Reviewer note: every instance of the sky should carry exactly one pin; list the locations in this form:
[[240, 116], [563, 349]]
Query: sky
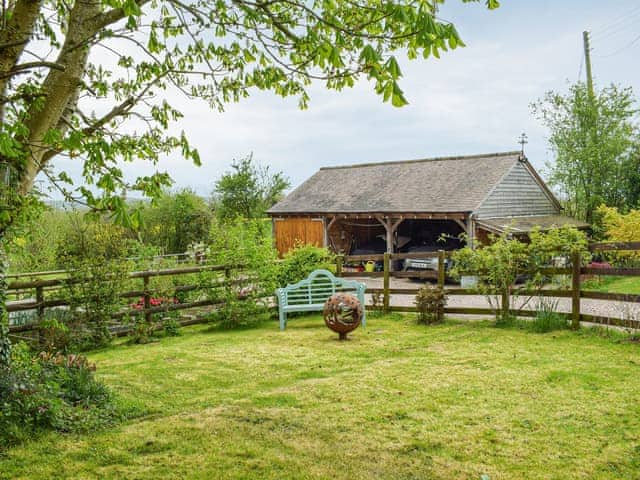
[[473, 100]]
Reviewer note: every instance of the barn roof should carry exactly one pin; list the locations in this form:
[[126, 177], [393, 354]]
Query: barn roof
[[433, 185]]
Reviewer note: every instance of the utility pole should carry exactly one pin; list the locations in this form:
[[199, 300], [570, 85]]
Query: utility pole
[[587, 62]]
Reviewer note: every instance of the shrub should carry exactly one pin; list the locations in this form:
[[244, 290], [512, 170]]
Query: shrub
[[246, 248], [89, 239], [430, 302], [497, 267], [175, 220], [93, 294], [620, 227], [51, 392], [171, 325], [504, 260], [33, 246], [141, 330], [299, 262], [54, 332]]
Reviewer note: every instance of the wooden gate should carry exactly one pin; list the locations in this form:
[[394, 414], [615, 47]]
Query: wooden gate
[[297, 230]]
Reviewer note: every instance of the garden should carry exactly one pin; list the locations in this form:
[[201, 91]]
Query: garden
[[138, 329], [180, 370], [399, 400]]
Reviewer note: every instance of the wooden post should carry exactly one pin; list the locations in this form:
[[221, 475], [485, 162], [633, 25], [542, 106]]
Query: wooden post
[[327, 227], [575, 290], [147, 299], [390, 228], [385, 301], [40, 301], [441, 268], [40, 312], [339, 262]]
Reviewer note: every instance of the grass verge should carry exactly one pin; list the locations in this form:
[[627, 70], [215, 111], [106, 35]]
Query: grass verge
[[614, 284]]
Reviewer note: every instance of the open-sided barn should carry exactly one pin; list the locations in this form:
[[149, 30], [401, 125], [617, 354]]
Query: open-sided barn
[[415, 202]]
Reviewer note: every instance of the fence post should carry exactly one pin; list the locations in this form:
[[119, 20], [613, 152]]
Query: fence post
[[339, 261], [40, 302], [147, 298], [387, 265], [575, 290], [40, 312], [441, 268]]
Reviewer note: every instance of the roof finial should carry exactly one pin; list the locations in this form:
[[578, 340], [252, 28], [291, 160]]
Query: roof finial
[[523, 140]]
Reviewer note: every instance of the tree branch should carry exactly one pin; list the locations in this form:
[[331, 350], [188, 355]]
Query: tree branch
[[24, 67], [14, 37], [110, 17]]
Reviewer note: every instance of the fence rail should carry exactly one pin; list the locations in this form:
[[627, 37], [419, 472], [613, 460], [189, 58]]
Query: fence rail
[[612, 246], [575, 271], [39, 287]]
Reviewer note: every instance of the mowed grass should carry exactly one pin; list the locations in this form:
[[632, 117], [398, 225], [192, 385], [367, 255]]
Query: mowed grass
[[613, 284], [398, 401]]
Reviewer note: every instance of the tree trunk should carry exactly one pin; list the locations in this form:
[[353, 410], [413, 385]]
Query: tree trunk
[[60, 89], [505, 306]]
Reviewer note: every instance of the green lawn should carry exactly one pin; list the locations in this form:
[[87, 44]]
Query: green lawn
[[614, 284], [398, 401]]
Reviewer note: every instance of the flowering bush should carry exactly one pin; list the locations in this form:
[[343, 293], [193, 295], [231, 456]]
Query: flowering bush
[[51, 391], [619, 227], [154, 302]]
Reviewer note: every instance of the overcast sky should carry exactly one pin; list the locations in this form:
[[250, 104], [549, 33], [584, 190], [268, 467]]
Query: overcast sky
[[473, 100]]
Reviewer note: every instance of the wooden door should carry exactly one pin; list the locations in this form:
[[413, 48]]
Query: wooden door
[[291, 231]]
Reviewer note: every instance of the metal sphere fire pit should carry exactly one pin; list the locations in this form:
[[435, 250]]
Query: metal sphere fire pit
[[342, 313]]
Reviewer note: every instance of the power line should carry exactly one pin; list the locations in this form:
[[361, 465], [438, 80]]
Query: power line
[[581, 65], [633, 42], [631, 25], [620, 19]]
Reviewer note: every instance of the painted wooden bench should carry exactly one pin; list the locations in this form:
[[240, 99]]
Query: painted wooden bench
[[309, 295]]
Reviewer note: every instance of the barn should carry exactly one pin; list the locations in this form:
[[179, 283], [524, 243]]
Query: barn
[[392, 206]]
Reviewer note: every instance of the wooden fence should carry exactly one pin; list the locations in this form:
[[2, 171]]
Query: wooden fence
[[42, 289], [39, 302], [576, 271]]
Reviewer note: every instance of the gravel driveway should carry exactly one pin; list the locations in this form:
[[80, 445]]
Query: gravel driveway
[[604, 308]]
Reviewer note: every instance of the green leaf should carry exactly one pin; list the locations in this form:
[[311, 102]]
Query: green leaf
[[393, 68], [397, 99]]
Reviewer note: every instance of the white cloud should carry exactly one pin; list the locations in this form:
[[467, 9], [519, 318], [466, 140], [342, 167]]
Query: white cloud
[[473, 100]]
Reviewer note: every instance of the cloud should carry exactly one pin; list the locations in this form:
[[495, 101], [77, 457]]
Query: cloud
[[473, 100]]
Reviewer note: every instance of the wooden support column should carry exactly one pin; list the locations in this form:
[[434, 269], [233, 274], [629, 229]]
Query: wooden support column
[[471, 231], [327, 227], [390, 226]]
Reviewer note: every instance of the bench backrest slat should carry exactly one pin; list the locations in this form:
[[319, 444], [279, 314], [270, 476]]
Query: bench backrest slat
[[311, 293]]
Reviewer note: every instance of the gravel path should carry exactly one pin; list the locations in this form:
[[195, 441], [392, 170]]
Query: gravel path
[[604, 308]]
